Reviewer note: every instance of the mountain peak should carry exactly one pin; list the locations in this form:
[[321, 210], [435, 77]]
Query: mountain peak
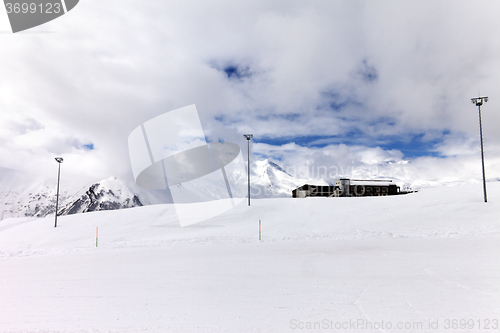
[[276, 166], [108, 194]]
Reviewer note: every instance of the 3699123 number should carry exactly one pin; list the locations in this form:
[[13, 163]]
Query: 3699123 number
[[25, 8], [485, 324]]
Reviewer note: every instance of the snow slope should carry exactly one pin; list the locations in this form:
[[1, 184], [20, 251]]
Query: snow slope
[[269, 180], [418, 259]]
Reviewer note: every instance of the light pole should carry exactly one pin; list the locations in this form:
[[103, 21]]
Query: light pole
[[58, 160], [479, 101], [248, 137]]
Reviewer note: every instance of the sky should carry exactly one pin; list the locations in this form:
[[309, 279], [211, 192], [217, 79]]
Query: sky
[[376, 89]]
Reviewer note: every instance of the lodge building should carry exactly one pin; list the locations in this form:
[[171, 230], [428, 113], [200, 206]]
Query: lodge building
[[349, 188]]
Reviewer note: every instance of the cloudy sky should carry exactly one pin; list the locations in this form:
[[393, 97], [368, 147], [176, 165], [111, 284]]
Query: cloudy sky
[[379, 87]]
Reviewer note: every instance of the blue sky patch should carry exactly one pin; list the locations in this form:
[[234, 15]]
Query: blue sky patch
[[286, 116], [412, 146], [236, 72], [337, 101], [89, 146], [368, 72], [391, 121]]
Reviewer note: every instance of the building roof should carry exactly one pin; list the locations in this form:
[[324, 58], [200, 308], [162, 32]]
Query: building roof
[[371, 183]]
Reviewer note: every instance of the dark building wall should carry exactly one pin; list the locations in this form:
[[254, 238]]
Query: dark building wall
[[368, 191], [354, 190]]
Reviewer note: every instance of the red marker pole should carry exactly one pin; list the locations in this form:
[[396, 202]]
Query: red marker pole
[[260, 232]]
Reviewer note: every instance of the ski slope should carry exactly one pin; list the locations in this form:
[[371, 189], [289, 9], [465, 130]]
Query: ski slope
[[414, 263]]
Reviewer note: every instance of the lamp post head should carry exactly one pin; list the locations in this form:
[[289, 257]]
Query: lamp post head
[[59, 159], [478, 101], [248, 136]]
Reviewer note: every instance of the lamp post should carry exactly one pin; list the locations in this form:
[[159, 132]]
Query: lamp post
[[58, 160], [479, 101], [248, 137]]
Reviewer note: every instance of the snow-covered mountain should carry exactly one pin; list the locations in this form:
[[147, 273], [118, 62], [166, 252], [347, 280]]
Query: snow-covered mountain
[[39, 200], [108, 194], [268, 180], [21, 196]]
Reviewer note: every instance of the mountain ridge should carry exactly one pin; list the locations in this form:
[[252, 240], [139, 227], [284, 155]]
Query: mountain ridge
[[268, 180]]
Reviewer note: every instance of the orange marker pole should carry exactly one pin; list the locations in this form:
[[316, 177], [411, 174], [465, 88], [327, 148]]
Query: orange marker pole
[[260, 232], [96, 235]]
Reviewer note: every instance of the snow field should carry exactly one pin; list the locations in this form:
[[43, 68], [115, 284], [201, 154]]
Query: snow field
[[426, 257]]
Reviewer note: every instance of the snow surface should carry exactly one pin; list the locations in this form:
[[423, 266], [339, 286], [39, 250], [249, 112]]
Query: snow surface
[[417, 258]]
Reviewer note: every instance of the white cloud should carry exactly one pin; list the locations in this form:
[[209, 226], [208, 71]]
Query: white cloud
[[336, 161], [110, 66]]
